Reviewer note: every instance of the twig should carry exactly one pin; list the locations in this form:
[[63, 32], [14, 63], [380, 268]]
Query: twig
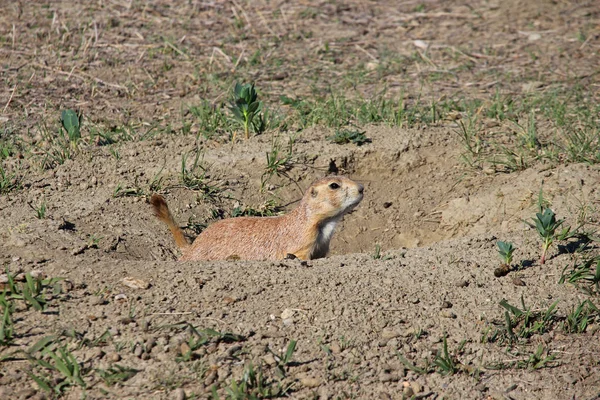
[[10, 98], [366, 52], [82, 76]]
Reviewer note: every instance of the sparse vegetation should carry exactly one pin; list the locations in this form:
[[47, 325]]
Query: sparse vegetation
[[246, 107], [344, 136]]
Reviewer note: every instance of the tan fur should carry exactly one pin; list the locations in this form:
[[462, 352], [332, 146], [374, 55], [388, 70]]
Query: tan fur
[[304, 232], [161, 211]]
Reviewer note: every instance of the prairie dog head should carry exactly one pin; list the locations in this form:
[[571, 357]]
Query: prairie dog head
[[333, 197]]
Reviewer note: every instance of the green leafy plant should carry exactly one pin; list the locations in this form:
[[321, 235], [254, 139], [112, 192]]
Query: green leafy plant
[[506, 250], [71, 123], [546, 224], [245, 106], [344, 136]]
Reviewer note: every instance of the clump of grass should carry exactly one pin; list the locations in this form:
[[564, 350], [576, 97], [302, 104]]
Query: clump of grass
[[268, 209], [585, 275], [40, 211], [8, 182], [580, 317], [116, 374], [344, 136], [211, 119], [62, 362], [524, 323], [541, 358], [245, 107], [444, 362], [279, 161]]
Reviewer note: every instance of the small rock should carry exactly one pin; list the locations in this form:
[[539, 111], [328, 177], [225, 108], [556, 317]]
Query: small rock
[[287, 313], [66, 286], [184, 348], [269, 359], [145, 356], [518, 281], [447, 314], [335, 348], [137, 351], [97, 301], [178, 394], [135, 283], [388, 378], [389, 333], [533, 37], [446, 304], [407, 392], [462, 283], [416, 387], [310, 382], [211, 378], [37, 274], [25, 393], [114, 357], [121, 298], [387, 204], [150, 343]]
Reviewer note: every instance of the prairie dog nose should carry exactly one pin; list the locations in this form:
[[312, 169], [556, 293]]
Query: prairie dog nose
[[361, 188]]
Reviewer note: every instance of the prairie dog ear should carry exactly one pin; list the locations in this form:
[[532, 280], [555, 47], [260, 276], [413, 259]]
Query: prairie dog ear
[[313, 192]]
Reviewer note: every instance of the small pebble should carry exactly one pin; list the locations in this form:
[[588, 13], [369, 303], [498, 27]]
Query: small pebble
[[178, 394]]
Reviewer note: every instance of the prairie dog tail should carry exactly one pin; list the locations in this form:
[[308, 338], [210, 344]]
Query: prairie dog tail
[[161, 211]]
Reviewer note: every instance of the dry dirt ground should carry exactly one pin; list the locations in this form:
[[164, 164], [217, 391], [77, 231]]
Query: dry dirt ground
[[470, 107]]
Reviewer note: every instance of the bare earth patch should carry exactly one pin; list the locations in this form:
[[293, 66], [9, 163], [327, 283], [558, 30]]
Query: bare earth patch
[[460, 114]]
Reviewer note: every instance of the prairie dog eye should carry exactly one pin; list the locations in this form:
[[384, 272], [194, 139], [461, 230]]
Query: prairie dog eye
[[334, 186]]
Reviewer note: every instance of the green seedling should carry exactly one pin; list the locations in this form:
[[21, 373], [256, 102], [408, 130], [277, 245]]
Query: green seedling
[[506, 250], [6, 324], [284, 359], [71, 123], [546, 225], [245, 106], [116, 374], [349, 136], [40, 211], [445, 362]]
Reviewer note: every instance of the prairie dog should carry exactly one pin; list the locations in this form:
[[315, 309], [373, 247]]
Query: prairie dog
[[305, 232]]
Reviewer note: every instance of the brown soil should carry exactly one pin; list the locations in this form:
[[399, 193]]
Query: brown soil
[[141, 65]]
